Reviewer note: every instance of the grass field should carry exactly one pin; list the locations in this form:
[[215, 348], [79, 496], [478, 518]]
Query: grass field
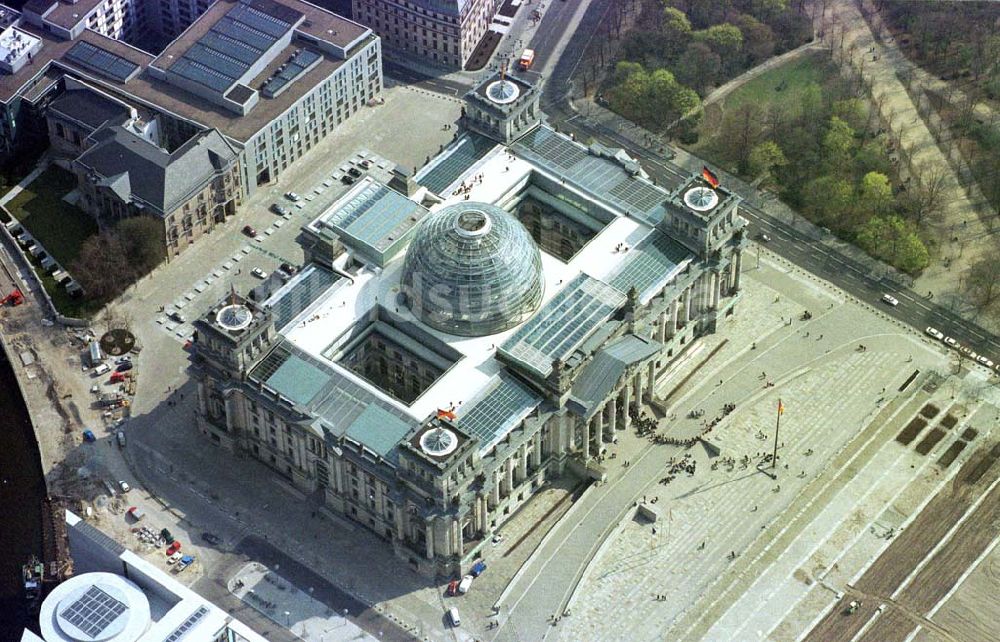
[[60, 227]]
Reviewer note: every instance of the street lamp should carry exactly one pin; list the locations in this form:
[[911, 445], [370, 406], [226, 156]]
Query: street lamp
[[288, 620]]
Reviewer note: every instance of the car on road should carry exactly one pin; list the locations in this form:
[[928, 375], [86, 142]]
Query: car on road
[[452, 588], [293, 197], [279, 209], [985, 361], [124, 367], [478, 568], [763, 237], [465, 584], [177, 316], [355, 172], [347, 179], [120, 436], [249, 231], [951, 343], [259, 273], [934, 332], [211, 538], [891, 300], [453, 616], [88, 435], [124, 485], [288, 269]]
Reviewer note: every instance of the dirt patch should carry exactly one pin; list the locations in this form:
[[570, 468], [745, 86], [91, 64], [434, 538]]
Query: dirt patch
[[985, 462], [931, 440], [483, 51], [950, 454], [930, 411], [949, 421], [969, 434], [908, 434]]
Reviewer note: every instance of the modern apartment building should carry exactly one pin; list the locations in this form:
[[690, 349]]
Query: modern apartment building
[[442, 32], [243, 91]]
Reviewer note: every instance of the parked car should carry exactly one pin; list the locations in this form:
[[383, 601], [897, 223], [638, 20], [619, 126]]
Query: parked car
[[120, 436], [347, 179], [891, 300], [124, 367], [185, 562], [249, 231], [452, 588], [137, 513], [293, 197], [985, 361], [176, 557], [88, 435], [288, 269], [355, 172], [764, 237], [174, 547], [453, 616], [937, 334], [279, 209], [478, 568], [259, 273], [465, 584], [177, 316], [101, 369], [124, 485], [951, 343], [211, 538]]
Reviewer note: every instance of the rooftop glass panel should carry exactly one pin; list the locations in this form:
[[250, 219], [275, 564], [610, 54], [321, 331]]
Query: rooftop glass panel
[[101, 61], [313, 281], [378, 429], [600, 177], [563, 324], [297, 379], [300, 61], [93, 612], [504, 404], [454, 162], [654, 260]]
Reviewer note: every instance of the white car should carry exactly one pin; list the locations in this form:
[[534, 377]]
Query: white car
[[124, 486], [937, 334], [465, 584], [891, 300], [259, 273], [951, 343], [984, 360], [176, 557], [293, 197]]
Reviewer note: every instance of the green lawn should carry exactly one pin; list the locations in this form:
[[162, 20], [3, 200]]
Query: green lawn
[[60, 227], [795, 76]]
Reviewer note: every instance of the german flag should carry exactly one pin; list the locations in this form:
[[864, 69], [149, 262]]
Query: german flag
[[781, 408], [446, 414], [707, 174]]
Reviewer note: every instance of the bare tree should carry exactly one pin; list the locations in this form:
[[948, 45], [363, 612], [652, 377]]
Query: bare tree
[[982, 284], [925, 199]]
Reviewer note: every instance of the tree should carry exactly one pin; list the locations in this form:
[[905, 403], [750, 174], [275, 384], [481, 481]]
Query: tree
[[894, 240], [101, 265], [831, 200], [741, 129], [142, 238], [764, 157], [982, 284], [698, 67], [852, 111], [875, 193], [925, 195], [838, 145], [725, 40], [676, 31], [758, 39]]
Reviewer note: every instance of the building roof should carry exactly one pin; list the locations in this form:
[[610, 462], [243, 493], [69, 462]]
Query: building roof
[[320, 25], [650, 265], [497, 409], [562, 324], [595, 383], [299, 293], [89, 107], [442, 172], [372, 219], [598, 172], [157, 179]]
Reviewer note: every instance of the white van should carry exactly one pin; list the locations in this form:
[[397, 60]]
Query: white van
[[101, 369], [453, 616], [465, 584]]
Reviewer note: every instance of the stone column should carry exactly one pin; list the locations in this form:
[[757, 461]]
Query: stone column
[[687, 303], [522, 463], [509, 475], [429, 534], [651, 378], [674, 308], [661, 331], [626, 403], [637, 392], [398, 518], [456, 538], [589, 428], [338, 476], [716, 289], [202, 399], [536, 453], [495, 490], [613, 417], [739, 270]]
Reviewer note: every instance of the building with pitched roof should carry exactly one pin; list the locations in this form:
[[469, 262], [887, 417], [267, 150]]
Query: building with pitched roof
[[527, 302]]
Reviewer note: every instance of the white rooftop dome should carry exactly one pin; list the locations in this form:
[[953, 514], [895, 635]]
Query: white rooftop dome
[[95, 607]]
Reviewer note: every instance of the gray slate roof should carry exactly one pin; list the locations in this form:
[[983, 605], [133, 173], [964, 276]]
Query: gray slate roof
[[89, 108], [158, 180], [599, 377]]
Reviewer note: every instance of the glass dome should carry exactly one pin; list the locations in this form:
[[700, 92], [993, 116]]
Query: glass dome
[[472, 270]]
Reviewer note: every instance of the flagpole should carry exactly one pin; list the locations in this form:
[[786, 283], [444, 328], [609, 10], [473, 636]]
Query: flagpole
[[777, 424]]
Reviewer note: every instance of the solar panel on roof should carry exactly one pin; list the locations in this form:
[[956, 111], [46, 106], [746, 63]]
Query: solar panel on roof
[[302, 60], [213, 59], [259, 20], [101, 61], [234, 29], [93, 611], [201, 74], [239, 50]]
